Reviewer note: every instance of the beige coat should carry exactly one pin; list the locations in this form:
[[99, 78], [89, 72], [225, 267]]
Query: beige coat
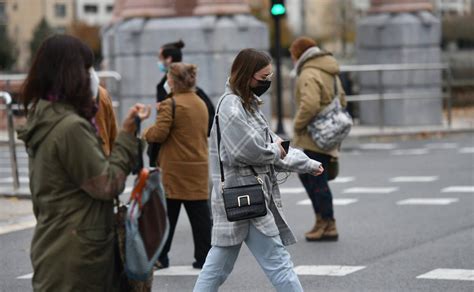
[[314, 91], [183, 155]]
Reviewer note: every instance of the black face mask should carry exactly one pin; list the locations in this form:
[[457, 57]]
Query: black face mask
[[261, 88]]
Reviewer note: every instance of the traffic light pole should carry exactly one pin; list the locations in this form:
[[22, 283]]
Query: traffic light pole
[[280, 130]]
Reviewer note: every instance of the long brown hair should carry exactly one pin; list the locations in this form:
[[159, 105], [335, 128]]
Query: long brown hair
[[246, 64], [60, 73]]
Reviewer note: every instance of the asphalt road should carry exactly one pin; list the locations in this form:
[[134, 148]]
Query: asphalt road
[[404, 210]]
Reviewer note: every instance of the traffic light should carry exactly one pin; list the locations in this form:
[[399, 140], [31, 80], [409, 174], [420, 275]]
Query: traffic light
[[278, 8]]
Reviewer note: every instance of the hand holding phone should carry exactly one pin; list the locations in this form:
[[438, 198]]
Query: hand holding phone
[[286, 145]]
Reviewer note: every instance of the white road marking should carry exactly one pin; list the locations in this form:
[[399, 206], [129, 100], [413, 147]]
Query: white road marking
[[449, 274], [466, 150], [378, 146], [419, 151], [441, 145], [458, 189], [337, 202], [22, 179], [26, 277], [343, 179], [428, 201], [414, 179], [23, 223], [177, 271], [360, 190], [292, 190], [327, 270]]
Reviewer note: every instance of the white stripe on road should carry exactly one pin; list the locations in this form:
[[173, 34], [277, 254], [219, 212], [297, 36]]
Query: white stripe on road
[[413, 178], [24, 223], [441, 145], [458, 189], [378, 146], [449, 274], [419, 151], [292, 190], [428, 201], [22, 179], [343, 179], [466, 150], [327, 270], [336, 202], [359, 190], [26, 277], [177, 271]]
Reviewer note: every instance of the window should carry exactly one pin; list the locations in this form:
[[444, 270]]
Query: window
[[109, 8], [91, 9], [60, 10]]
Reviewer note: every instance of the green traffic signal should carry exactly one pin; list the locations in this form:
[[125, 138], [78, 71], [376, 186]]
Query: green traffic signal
[[278, 9]]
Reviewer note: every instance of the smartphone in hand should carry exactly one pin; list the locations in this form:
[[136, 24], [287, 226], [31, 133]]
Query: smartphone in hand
[[286, 145]]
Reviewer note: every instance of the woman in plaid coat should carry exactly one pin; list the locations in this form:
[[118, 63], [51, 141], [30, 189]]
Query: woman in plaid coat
[[247, 140]]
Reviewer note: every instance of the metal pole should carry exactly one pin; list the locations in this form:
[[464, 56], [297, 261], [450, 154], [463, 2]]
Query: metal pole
[[381, 102], [449, 77], [279, 130], [11, 139]]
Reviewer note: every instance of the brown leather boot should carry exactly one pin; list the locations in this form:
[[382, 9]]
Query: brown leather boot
[[330, 233], [316, 226], [317, 234]]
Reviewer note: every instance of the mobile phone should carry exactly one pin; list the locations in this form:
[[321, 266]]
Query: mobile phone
[[286, 145]]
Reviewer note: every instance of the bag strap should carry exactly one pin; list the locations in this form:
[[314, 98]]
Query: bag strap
[[219, 148], [139, 164]]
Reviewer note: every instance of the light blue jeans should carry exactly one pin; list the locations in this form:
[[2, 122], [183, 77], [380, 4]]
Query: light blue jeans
[[270, 253]]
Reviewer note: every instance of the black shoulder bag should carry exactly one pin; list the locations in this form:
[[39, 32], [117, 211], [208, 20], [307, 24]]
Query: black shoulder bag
[[241, 202]]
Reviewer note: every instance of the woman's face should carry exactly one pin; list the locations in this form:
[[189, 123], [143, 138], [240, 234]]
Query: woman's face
[[264, 74]]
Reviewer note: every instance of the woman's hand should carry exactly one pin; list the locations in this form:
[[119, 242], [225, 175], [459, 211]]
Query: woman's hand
[[138, 110], [318, 171]]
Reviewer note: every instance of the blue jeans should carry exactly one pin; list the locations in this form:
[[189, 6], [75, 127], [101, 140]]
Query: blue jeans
[[317, 187], [270, 253]]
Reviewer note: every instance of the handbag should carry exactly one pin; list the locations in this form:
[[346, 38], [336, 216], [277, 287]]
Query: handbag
[[333, 168], [241, 202], [331, 125]]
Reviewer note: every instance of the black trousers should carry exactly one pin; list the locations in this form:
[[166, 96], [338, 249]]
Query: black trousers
[[201, 225], [317, 187]]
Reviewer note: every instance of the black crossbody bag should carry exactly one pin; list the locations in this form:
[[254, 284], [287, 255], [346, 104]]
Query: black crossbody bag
[[241, 202]]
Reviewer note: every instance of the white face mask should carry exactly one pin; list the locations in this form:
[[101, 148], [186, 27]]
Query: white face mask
[[94, 83], [167, 88]]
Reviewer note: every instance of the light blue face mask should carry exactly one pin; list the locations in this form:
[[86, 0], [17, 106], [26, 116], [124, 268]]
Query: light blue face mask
[[162, 67]]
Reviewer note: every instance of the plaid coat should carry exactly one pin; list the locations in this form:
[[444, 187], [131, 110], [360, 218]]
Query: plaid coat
[[246, 139]]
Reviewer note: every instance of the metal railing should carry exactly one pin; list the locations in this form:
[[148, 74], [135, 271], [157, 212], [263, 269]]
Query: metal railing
[[381, 96], [11, 139], [9, 107]]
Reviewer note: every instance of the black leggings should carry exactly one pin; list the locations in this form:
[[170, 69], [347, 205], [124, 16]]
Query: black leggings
[[317, 187]]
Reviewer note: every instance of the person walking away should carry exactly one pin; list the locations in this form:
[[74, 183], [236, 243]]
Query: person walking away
[[181, 128], [72, 182], [248, 142], [316, 71]]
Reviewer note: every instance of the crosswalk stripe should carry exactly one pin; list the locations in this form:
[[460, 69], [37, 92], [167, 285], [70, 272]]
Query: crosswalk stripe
[[327, 270], [23, 223], [342, 180], [26, 277], [458, 189], [292, 190], [428, 201], [22, 179], [466, 150], [177, 271], [419, 151], [449, 274], [441, 145], [378, 146], [336, 202], [368, 190], [414, 179]]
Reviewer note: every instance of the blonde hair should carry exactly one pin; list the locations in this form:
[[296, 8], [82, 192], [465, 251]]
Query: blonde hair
[[184, 77]]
